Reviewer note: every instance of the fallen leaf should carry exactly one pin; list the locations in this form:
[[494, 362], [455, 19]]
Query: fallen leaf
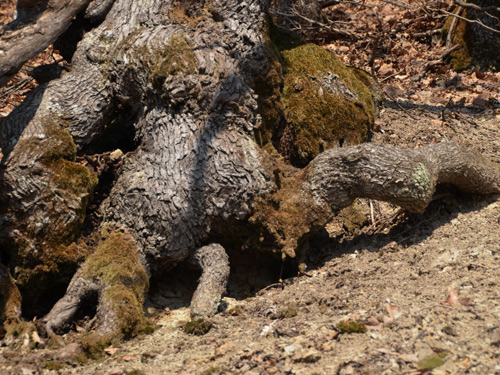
[[452, 297], [409, 357]]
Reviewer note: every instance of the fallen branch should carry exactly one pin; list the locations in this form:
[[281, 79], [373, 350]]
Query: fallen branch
[[19, 45]]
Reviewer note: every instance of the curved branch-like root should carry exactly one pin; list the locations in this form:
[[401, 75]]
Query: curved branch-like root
[[214, 263], [66, 307], [308, 199], [407, 178], [115, 273]]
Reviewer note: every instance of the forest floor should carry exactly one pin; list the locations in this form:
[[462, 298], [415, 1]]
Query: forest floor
[[402, 294]]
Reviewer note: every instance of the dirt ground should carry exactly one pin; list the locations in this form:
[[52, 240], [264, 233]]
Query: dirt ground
[[413, 293]]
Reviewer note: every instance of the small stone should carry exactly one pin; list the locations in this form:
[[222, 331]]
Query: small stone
[[290, 349], [116, 155], [309, 356]]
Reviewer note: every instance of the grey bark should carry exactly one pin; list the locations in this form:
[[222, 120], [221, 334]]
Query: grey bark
[[214, 262], [185, 72], [407, 178]]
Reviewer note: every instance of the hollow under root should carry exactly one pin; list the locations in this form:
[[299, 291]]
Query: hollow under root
[[116, 275]]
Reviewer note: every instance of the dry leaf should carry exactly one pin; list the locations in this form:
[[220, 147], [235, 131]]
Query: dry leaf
[[453, 299], [392, 311], [111, 350]]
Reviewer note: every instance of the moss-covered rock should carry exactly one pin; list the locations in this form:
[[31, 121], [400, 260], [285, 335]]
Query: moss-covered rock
[[324, 101], [310, 101]]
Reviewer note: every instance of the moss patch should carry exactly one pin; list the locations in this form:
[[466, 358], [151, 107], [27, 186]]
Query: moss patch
[[289, 311], [116, 265], [324, 101], [351, 326], [176, 57], [197, 327]]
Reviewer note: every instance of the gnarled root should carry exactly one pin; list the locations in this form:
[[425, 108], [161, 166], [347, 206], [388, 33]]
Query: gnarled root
[[115, 273], [308, 199], [407, 178], [214, 263]]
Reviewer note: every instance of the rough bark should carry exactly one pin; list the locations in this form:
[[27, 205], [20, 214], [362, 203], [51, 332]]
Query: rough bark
[[214, 262], [479, 44], [184, 76]]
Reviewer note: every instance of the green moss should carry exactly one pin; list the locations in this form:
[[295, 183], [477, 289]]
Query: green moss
[[421, 180], [355, 216], [351, 326], [430, 362], [235, 311], [478, 46], [326, 103], [211, 370], [93, 345], [53, 365], [462, 58], [115, 263], [289, 311], [197, 327], [134, 372], [18, 327], [176, 57]]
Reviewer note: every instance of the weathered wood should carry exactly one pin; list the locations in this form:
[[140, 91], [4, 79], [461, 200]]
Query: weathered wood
[[39, 24]]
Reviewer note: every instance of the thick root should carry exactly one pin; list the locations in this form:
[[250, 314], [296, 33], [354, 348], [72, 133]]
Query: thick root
[[214, 263], [404, 177], [116, 275]]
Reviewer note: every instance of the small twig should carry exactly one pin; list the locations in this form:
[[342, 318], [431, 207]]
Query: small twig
[[449, 37], [371, 212], [477, 7], [400, 106], [400, 5], [376, 41], [314, 22], [16, 87], [467, 20], [392, 75], [275, 285]]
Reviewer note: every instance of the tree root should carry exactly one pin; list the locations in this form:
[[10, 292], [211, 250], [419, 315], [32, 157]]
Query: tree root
[[115, 273], [308, 199], [214, 263]]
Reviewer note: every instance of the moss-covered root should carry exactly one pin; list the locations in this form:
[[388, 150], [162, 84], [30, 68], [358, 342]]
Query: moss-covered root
[[10, 298], [116, 275], [214, 263]]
